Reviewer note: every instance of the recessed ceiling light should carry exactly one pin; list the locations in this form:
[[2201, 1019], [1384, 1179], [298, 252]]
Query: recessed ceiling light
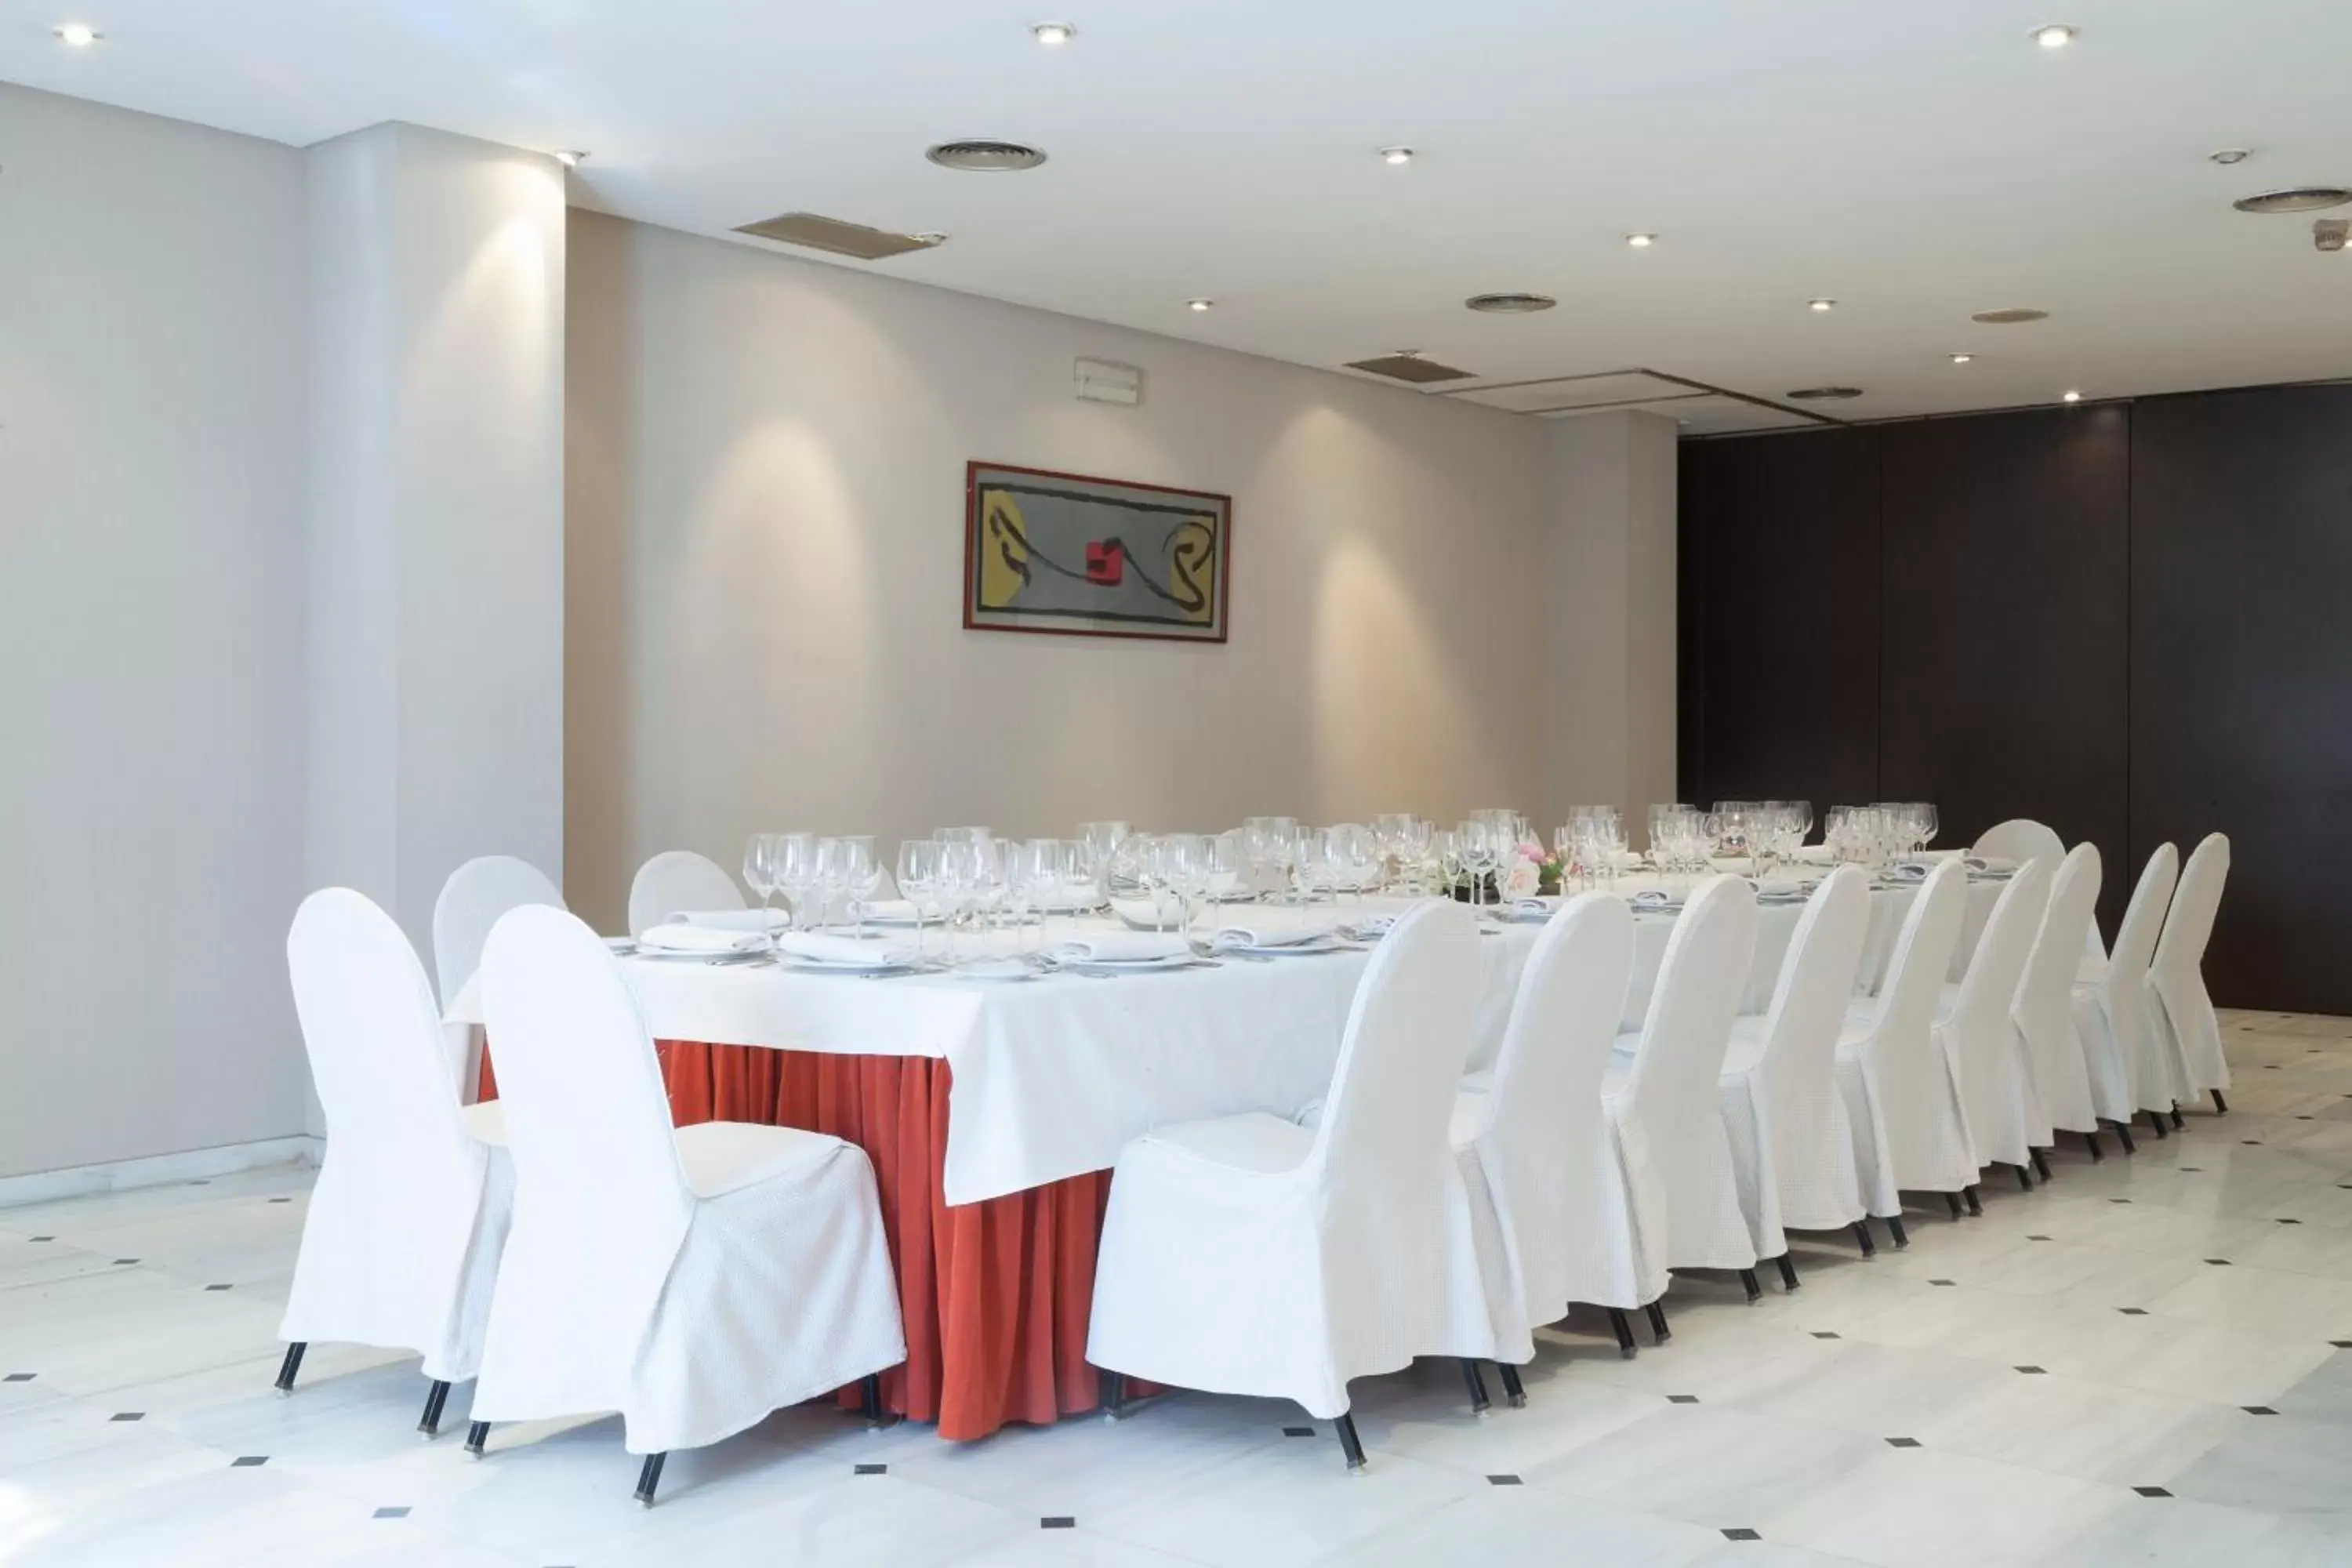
[[1825, 393], [2053, 36], [1053, 34], [2300, 199], [1397, 155], [1510, 304], [2229, 155], [981, 156], [1640, 241], [571, 157], [77, 35], [2072, 397], [1821, 305], [1962, 359], [2010, 317], [1198, 304]]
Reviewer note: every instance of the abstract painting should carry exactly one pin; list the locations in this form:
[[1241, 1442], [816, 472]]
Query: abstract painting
[[1066, 553]]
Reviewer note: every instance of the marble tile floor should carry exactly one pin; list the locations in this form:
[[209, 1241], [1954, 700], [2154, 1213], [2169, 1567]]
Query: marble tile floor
[[2146, 1361]]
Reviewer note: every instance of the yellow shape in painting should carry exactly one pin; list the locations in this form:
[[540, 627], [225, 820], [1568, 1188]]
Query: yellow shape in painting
[[1004, 551], [1192, 569]]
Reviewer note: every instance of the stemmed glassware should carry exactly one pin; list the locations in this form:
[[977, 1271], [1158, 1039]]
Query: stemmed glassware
[[918, 872], [800, 870], [1352, 853], [1474, 843], [861, 876], [760, 869]]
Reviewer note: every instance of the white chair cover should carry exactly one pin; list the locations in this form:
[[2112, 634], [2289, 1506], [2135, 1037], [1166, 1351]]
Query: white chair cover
[[409, 1211], [2115, 1014], [693, 1280], [2021, 839], [2184, 1011], [2005, 1116], [678, 881], [1791, 1140], [1249, 1255], [2045, 996], [1902, 1087], [1542, 1218], [471, 901], [1661, 1091]]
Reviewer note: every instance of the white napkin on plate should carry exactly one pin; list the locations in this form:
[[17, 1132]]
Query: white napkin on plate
[[893, 912], [1651, 899], [879, 953], [698, 938], [734, 919], [1267, 933], [1122, 947], [1536, 909]]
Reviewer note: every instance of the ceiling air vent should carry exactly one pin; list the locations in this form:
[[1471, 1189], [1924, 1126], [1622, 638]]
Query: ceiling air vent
[[2302, 199], [985, 157], [1510, 304], [831, 234], [1409, 367], [1825, 393]]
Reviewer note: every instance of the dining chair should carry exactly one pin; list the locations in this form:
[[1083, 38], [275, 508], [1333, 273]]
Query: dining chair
[[2020, 840], [1791, 1141], [1901, 1087], [1543, 1218], [1660, 1094], [678, 881], [409, 1214], [471, 901], [2044, 1006], [1977, 1021], [2115, 1014], [2183, 1017], [692, 1279], [1251, 1255]]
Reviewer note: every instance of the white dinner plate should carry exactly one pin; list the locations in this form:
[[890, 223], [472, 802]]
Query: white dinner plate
[[1292, 950], [668, 955], [1135, 965]]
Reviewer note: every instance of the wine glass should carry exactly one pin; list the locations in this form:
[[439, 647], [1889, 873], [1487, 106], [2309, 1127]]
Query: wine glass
[[918, 869], [861, 876], [800, 869], [759, 872], [832, 878], [1476, 844]]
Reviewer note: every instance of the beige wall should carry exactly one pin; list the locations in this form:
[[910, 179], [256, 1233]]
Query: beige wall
[[764, 500]]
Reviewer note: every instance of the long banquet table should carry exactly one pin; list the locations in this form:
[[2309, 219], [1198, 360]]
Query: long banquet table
[[993, 1112]]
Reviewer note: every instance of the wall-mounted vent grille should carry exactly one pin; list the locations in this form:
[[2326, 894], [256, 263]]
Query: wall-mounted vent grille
[[985, 157], [831, 234], [1409, 367]]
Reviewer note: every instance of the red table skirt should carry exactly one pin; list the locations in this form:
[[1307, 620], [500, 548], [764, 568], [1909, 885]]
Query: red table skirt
[[994, 1295]]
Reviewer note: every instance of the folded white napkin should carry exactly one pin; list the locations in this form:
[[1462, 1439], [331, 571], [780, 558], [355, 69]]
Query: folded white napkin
[[678, 938], [734, 919], [893, 912], [1372, 927], [1651, 897], [880, 953], [1538, 909], [1267, 933], [1909, 872], [1122, 947]]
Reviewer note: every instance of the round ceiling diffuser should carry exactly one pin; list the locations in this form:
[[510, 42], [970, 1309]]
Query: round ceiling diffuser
[[985, 157], [1510, 304], [1825, 393], [2301, 199], [2010, 318]]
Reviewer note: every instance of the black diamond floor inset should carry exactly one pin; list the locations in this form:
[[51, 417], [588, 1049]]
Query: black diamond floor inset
[[1943, 1281], [2257, 1410], [1824, 1334], [18, 1377], [2151, 1491], [1742, 1535], [869, 1469], [247, 1461], [128, 1415], [392, 1514], [2132, 1312], [1058, 1522], [2032, 1371], [217, 1287], [1502, 1480], [1682, 1399], [1903, 1442], [2219, 1262], [1298, 1431]]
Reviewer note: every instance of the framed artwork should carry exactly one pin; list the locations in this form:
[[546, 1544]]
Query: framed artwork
[[1083, 556]]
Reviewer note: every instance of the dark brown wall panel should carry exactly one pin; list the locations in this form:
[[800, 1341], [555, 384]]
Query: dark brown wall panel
[[2241, 674], [2004, 663], [1780, 615]]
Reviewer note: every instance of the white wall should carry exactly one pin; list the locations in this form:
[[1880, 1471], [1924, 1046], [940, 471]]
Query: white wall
[[151, 626], [765, 512]]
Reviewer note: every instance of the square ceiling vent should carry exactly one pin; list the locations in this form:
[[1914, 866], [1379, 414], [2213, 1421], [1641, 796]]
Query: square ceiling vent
[[813, 232], [1413, 368]]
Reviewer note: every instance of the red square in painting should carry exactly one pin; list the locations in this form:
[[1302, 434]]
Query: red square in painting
[[1105, 562]]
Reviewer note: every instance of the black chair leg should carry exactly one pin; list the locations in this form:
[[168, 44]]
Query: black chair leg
[[1625, 1332], [1348, 1443], [1953, 1199], [476, 1436], [649, 1477], [2124, 1137], [1976, 1203], [2024, 1179], [1515, 1394], [869, 1400], [1862, 1234], [1748, 1282], [2092, 1138], [1895, 1228], [2040, 1165], [1788, 1271], [2177, 1122], [1114, 1394], [434, 1398], [291, 1365], [2155, 1120], [2221, 1106], [1659, 1333], [1479, 1403]]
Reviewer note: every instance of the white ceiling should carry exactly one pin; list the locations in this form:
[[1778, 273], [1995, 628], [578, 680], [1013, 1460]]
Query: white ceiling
[[1917, 160]]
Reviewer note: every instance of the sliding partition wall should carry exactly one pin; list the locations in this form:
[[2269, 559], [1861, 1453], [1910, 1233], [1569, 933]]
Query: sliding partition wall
[[2129, 621]]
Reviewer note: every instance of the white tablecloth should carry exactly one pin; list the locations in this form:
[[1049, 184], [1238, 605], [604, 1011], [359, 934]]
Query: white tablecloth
[[1052, 1077]]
